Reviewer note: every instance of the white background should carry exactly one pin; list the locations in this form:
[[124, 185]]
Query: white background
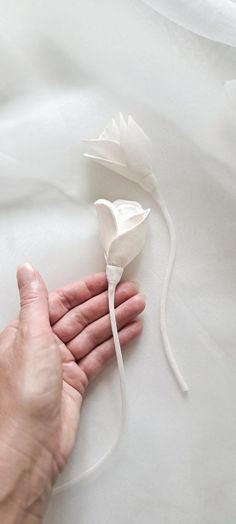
[[66, 68]]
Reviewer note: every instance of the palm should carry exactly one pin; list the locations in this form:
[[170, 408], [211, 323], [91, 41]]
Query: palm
[[80, 320]]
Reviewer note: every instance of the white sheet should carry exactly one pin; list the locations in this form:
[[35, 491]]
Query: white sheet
[[66, 68]]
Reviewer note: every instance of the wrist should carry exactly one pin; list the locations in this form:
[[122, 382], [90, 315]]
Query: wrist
[[26, 478]]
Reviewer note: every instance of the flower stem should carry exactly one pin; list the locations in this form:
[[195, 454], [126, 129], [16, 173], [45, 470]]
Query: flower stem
[[167, 346], [114, 275]]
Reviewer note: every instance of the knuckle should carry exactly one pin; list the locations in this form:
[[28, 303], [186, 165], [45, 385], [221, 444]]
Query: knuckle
[[81, 317], [91, 337], [28, 298]]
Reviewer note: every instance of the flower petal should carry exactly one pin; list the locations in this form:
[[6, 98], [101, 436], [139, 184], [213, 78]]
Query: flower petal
[[108, 149], [124, 248], [107, 222], [117, 203], [123, 125], [117, 167], [129, 213], [110, 164], [132, 221], [137, 148], [111, 131]]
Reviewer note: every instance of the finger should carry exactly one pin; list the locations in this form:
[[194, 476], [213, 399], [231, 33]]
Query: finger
[[94, 362], [34, 313], [81, 316], [66, 298], [74, 376], [100, 330]]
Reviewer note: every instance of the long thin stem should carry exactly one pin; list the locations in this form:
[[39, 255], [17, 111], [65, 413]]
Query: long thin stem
[[167, 346], [112, 283], [114, 275]]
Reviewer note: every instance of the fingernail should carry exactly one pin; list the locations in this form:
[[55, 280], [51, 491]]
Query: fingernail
[[25, 273]]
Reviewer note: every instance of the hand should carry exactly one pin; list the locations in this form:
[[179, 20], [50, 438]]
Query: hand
[[47, 359]]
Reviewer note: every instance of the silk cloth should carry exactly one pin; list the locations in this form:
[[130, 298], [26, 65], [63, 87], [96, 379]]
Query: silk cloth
[[66, 68]]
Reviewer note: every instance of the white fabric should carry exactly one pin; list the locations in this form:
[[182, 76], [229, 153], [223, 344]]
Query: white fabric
[[66, 68], [214, 19]]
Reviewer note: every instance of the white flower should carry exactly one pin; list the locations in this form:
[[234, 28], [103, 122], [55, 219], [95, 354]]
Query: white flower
[[126, 149], [123, 229]]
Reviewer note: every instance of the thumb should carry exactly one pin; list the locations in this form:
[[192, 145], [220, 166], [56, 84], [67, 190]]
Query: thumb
[[34, 311]]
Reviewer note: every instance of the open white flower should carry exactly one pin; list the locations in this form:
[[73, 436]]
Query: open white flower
[[123, 229], [126, 149]]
